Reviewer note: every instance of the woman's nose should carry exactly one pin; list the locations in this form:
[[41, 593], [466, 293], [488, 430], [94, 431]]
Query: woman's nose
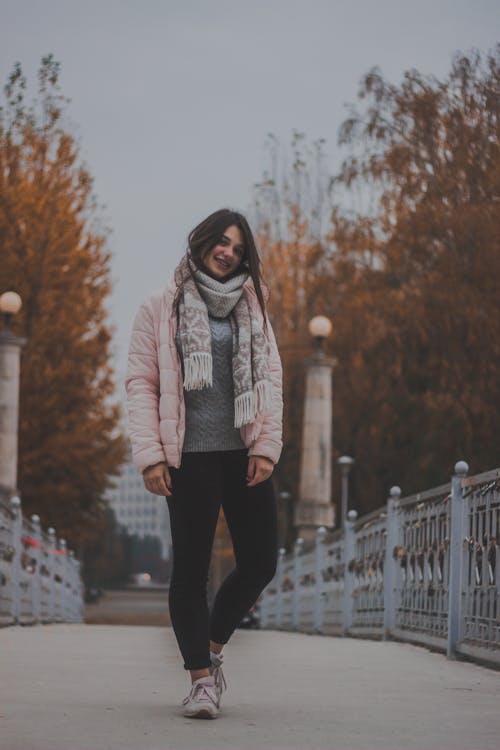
[[229, 253]]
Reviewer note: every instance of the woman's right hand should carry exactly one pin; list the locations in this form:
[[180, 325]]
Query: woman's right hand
[[157, 479]]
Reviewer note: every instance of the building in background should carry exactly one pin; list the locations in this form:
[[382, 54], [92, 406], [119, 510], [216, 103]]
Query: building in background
[[139, 511]]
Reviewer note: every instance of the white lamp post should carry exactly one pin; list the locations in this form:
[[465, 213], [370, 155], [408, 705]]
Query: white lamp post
[[10, 304], [284, 509], [345, 463], [320, 328], [314, 507]]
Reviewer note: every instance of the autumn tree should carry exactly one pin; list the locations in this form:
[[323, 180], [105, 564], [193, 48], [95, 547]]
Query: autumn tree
[[53, 253], [409, 279], [414, 287]]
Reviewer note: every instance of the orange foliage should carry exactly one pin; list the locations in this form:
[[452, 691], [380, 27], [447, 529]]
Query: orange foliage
[[54, 256], [411, 285], [416, 283]]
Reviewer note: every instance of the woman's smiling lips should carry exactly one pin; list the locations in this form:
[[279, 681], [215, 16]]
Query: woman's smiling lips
[[222, 263]]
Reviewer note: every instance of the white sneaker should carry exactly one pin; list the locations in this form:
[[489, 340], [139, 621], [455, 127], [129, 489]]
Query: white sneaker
[[216, 672], [202, 702]]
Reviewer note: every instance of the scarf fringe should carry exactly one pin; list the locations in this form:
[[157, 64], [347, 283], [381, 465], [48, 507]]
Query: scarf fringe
[[244, 408], [197, 371], [246, 405]]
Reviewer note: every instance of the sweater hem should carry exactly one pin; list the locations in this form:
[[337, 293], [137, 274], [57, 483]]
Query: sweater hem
[[201, 446]]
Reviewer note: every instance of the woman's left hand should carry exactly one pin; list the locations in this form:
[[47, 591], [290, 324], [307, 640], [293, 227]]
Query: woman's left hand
[[259, 469]]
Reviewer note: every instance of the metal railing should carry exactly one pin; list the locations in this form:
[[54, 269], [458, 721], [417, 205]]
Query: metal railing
[[40, 579], [423, 569]]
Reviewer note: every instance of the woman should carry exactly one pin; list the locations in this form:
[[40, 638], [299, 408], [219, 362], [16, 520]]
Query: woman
[[205, 405]]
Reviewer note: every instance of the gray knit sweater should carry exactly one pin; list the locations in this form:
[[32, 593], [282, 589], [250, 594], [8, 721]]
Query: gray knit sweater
[[210, 411]]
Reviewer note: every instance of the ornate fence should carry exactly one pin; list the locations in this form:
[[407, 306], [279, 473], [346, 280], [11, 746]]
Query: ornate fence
[[40, 579], [424, 569]]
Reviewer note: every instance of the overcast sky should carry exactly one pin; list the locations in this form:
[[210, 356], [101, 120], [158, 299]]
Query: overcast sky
[[172, 100]]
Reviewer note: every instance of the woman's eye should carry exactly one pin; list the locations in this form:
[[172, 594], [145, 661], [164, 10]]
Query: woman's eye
[[238, 250]]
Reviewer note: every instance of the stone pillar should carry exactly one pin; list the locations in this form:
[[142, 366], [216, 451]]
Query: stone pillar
[[10, 356], [314, 507]]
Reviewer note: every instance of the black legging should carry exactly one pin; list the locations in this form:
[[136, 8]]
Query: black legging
[[199, 486]]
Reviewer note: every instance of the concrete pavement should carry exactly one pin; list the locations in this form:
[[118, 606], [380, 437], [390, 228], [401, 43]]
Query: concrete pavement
[[107, 687], [130, 606]]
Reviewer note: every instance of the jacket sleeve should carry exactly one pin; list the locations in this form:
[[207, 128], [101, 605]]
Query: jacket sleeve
[[142, 385], [270, 440]]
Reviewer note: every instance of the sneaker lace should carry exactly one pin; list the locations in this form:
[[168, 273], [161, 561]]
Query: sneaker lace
[[219, 679], [199, 692]]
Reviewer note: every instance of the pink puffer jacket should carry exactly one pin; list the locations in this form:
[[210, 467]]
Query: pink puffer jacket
[[155, 393]]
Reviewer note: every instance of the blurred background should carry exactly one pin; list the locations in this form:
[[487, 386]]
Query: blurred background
[[360, 139]]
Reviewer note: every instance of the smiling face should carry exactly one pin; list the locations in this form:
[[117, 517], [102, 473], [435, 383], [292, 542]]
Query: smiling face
[[223, 259]]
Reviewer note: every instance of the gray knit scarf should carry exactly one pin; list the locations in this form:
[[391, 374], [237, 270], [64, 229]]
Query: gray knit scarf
[[250, 361]]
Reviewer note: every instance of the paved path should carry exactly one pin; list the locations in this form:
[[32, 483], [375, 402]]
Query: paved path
[[100, 687], [139, 606]]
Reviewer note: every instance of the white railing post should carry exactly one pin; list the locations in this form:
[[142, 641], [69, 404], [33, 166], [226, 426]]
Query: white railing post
[[455, 559], [51, 564], [71, 610], [15, 571], [390, 564], [76, 613], [36, 553], [297, 573], [318, 579], [63, 567], [349, 552], [279, 587], [264, 607], [81, 594]]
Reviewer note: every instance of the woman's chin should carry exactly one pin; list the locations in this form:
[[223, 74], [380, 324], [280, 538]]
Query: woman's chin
[[216, 273]]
